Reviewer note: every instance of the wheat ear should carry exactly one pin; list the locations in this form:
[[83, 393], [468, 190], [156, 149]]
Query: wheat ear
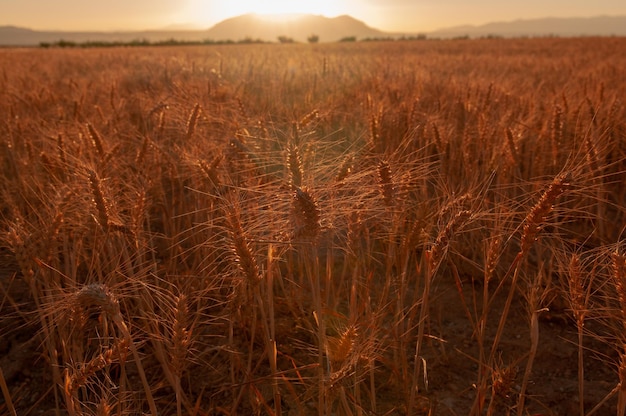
[[439, 247], [531, 227], [181, 336], [294, 165], [241, 248], [100, 296], [192, 121], [306, 214], [98, 200], [96, 140], [539, 212], [510, 141], [309, 118], [80, 377], [385, 181], [210, 171]]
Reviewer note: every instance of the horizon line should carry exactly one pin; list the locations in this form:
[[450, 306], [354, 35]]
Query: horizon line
[[195, 27]]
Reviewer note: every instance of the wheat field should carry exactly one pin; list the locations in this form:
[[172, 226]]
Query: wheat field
[[371, 228]]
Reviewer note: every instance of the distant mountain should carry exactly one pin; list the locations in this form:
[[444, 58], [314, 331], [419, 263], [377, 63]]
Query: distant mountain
[[16, 36], [181, 27], [565, 27], [297, 27]]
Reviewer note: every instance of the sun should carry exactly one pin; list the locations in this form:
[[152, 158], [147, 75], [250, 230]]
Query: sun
[[214, 11]]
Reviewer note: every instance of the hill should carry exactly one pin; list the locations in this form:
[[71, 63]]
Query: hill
[[297, 27], [17, 36], [550, 26]]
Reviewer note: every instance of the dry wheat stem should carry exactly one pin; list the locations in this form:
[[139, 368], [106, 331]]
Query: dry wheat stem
[[578, 305], [96, 140], [534, 342], [531, 226], [294, 164], [539, 212], [440, 246], [433, 257], [512, 149], [99, 201], [306, 215], [192, 121], [181, 339], [313, 115], [80, 377], [619, 280], [241, 248], [100, 296], [6, 393], [210, 170], [621, 392], [385, 182]]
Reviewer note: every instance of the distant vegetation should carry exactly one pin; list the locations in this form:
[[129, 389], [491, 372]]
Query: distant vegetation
[[313, 39], [280, 39], [144, 42], [285, 39], [311, 29]]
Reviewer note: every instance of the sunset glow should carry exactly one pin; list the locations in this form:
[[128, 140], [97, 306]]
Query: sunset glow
[[388, 15], [203, 11]]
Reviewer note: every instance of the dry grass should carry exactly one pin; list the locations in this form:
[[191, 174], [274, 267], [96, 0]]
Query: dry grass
[[350, 229]]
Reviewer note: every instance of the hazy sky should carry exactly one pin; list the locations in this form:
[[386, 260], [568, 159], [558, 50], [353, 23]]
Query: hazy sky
[[390, 15]]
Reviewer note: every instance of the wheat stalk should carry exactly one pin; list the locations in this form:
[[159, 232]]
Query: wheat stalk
[[192, 121], [104, 408], [306, 215], [533, 222], [374, 130], [96, 140], [181, 340], [621, 387], [345, 168], [437, 138], [531, 226], [6, 393], [99, 296], [434, 255], [619, 281], [577, 303], [385, 182], [24, 253], [556, 133], [98, 200], [210, 171], [510, 141], [181, 336], [241, 248], [81, 376], [313, 115], [294, 165], [439, 247], [340, 347]]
